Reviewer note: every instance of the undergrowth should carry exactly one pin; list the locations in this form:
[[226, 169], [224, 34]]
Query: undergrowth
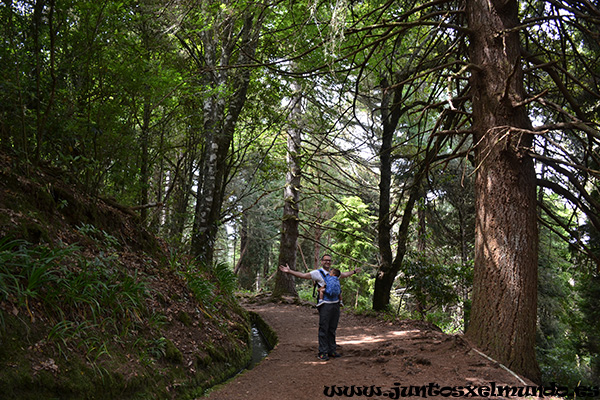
[[76, 295], [71, 300], [209, 292]]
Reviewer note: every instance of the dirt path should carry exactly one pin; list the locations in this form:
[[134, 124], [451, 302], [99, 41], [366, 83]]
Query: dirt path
[[375, 353]]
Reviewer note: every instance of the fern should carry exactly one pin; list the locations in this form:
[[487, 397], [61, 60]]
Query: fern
[[226, 278]]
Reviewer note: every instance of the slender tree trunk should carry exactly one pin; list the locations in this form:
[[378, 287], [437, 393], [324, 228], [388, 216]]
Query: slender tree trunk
[[37, 26], [43, 114], [145, 159], [387, 273], [390, 266], [385, 276], [178, 216], [157, 220], [284, 283], [318, 232], [246, 274], [503, 317]]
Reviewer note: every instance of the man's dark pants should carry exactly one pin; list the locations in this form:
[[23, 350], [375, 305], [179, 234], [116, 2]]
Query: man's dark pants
[[329, 316]]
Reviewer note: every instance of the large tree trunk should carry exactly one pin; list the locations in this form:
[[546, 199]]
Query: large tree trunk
[[221, 113], [208, 202], [210, 182], [284, 283], [503, 317]]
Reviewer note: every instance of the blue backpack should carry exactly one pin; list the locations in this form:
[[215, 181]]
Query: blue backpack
[[332, 288]]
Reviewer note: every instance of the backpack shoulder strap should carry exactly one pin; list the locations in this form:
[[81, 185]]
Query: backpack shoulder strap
[[315, 282]]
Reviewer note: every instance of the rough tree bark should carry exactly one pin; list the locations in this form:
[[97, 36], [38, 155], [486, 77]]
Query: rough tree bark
[[503, 317], [284, 283]]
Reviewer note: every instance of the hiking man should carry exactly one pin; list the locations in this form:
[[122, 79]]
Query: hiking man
[[329, 311]]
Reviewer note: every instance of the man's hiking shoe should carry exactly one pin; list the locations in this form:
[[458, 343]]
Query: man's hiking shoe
[[320, 302], [335, 354], [323, 357]]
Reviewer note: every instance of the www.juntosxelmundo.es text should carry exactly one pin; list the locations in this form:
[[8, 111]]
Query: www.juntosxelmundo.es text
[[492, 390]]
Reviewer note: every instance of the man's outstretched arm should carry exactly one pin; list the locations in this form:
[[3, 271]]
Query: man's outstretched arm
[[346, 274], [288, 270]]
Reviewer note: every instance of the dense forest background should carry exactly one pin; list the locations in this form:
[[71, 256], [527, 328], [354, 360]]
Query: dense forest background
[[409, 139]]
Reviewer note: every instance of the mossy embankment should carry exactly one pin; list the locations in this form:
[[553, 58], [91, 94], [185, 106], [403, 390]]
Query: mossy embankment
[[94, 306]]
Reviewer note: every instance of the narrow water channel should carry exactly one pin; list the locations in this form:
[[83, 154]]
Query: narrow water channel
[[260, 347]]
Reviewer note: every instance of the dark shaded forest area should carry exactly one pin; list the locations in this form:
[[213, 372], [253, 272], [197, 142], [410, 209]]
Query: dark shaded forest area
[[448, 149]]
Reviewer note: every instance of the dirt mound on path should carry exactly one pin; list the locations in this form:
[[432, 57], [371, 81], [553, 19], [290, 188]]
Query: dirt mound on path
[[384, 357]]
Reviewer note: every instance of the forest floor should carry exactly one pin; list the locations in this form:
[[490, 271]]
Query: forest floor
[[388, 355]]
